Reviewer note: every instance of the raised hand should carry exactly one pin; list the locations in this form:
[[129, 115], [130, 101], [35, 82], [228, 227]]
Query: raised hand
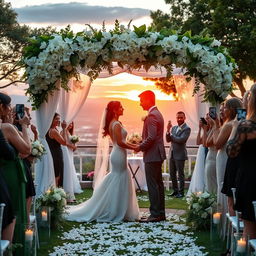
[[25, 120], [169, 125]]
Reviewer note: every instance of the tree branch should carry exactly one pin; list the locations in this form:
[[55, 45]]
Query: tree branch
[[12, 82]]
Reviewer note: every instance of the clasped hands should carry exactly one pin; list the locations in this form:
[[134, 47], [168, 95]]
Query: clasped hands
[[136, 148]]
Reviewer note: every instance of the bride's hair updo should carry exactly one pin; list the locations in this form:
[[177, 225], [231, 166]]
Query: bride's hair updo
[[110, 114]]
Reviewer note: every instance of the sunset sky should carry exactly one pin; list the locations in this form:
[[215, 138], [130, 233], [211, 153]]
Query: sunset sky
[[123, 87]]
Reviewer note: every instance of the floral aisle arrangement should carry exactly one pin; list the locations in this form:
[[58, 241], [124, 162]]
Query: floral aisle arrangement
[[55, 198], [49, 58], [74, 139], [199, 209], [38, 149], [134, 138]]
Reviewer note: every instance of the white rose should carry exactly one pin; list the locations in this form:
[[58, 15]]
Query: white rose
[[34, 152], [205, 195], [57, 197]]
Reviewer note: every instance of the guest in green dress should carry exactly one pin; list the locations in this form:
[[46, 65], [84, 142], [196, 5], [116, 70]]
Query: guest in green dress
[[14, 174]]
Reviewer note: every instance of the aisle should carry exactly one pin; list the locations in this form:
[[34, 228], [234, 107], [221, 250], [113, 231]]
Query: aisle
[[130, 238]]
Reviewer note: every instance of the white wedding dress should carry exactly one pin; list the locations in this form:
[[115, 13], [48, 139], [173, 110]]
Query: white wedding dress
[[71, 184], [198, 178], [114, 199]]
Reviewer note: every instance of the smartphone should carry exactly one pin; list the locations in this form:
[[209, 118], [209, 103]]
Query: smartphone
[[20, 111], [212, 112], [203, 120], [241, 113]]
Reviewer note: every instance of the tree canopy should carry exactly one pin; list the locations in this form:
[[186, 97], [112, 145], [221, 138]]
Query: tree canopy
[[233, 22], [13, 38]]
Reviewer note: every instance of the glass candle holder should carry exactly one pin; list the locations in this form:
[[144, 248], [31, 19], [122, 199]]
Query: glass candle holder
[[30, 239], [44, 222], [215, 229], [240, 244]]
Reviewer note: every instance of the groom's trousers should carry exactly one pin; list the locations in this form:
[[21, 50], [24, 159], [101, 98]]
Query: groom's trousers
[[155, 185]]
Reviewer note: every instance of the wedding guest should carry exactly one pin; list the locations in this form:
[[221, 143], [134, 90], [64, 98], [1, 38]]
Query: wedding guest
[[27, 161], [71, 184], [8, 223], [198, 178], [14, 174], [243, 142], [55, 140], [220, 138], [210, 161], [178, 136], [230, 178]]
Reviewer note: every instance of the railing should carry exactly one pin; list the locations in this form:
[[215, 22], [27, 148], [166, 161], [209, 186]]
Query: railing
[[82, 153]]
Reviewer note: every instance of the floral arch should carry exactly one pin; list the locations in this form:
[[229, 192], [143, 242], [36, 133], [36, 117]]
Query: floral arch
[[64, 55], [72, 61]]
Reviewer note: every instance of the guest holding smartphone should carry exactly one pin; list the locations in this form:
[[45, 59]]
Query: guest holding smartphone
[[14, 174], [243, 143], [220, 138]]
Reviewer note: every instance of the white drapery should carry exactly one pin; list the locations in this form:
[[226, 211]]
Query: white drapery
[[44, 170], [69, 106], [193, 106]]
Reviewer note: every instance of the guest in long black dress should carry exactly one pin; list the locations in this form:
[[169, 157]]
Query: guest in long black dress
[[244, 144], [8, 224], [55, 140]]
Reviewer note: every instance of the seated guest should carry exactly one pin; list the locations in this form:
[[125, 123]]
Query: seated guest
[[55, 140]]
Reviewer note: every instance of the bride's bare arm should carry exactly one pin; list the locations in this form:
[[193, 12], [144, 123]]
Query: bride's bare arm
[[119, 139]]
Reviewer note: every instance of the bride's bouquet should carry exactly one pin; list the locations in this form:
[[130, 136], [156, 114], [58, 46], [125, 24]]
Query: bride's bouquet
[[38, 149], [74, 139], [134, 138]]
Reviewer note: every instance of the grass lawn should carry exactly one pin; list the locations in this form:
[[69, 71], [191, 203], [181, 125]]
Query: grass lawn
[[203, 237]]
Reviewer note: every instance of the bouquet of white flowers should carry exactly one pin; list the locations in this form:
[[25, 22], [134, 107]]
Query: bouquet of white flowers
[[38, 149], [56, 199], [199, 209], [134, 138], [74, 139]]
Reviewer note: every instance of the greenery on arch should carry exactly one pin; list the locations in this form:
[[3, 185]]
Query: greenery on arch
[[49, 58]]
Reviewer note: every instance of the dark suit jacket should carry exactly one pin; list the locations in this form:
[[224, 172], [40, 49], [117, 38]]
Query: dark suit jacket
[[152, 135], [178, 139]]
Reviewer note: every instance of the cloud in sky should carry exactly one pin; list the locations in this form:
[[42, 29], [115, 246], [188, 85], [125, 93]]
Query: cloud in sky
[[74, 12]]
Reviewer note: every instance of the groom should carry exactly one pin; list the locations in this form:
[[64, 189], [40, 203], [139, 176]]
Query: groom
[[153, 155]]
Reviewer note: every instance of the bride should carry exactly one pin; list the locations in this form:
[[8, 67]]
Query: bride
[[114, 197]]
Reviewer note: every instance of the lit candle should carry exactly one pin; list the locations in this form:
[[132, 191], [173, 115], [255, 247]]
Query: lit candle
[[241, 245], [216, 217], [29, 235], [44, 216]]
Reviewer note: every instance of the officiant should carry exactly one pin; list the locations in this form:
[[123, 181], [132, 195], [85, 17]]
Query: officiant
[[178, 136]]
